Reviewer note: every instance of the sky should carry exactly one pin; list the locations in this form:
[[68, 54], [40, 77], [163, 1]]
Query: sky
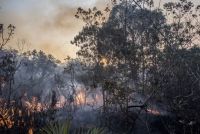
[[47, 25]]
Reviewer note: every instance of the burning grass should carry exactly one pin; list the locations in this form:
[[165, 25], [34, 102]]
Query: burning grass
[[31, 115]]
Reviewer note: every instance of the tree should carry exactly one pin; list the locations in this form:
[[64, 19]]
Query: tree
[[143, 50], [7, 63], [120, 50], [4, 40], [36, 70], [178, 73]]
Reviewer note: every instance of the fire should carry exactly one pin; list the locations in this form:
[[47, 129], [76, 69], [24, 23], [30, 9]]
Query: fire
[[33, 105], [30, 131], [88, 98], [6, 118], [153, 111], [81, 97], [104, 61]]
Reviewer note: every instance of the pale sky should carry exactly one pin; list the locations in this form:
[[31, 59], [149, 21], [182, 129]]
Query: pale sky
[[47, 25]]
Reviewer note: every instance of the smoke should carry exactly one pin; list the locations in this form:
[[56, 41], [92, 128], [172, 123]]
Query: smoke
[[48, 25]]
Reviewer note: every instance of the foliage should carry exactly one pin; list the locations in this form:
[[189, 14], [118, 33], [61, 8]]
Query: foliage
[[65, 128], [57, 128], [146, 51], [4, 40], [134, 50], [180, 85]]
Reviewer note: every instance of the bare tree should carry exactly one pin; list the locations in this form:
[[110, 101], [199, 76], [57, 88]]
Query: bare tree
[[4, 38]]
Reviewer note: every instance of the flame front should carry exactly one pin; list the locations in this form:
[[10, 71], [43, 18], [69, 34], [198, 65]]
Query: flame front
[[81, 98]]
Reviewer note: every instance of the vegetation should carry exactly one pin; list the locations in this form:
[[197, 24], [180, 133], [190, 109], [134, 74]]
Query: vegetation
[[137, 71], [64, 128]]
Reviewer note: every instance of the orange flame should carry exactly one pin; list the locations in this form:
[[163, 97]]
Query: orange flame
[[81, 97], [153, 111]]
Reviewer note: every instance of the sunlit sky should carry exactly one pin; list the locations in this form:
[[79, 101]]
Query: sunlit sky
[[47, 25]]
